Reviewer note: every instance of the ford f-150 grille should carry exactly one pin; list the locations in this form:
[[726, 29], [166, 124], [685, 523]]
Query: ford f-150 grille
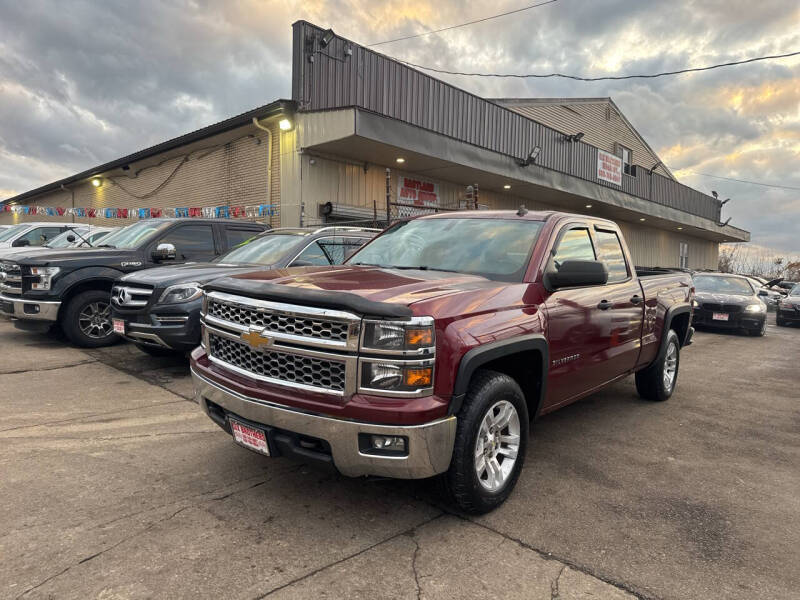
[[280, 366], [278, 322], [10, 278]]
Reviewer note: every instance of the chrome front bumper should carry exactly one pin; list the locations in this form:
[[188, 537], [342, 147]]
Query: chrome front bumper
[[430, 446], [30, 309]]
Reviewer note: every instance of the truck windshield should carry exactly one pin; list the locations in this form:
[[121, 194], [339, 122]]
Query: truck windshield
[[722, 285], [497, 249], [266, 250], [132, 235], [7, 234]]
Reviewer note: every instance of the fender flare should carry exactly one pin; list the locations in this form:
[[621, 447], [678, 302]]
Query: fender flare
[[85, 275], [672, 312], [477, 357]]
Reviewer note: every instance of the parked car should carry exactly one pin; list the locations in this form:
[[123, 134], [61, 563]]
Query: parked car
[[789, 308], [32, 234], [786, 286], [72, 287], [764, 290], [431, 349], [728, 301], [159, 309], [81, 236]]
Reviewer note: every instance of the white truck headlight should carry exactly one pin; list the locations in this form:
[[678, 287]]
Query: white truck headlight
[[414, 335], [183, 292], [755, 308], [45, 275], [695, 303]]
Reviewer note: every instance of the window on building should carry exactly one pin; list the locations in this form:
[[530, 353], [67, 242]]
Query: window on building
[[627, 157], [575, 244], [609, 250], [684, 255]]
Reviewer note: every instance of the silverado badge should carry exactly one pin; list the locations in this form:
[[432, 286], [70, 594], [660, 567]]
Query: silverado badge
[[255, 339]]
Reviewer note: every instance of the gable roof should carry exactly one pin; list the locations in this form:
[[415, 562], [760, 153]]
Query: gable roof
[[595, 118]]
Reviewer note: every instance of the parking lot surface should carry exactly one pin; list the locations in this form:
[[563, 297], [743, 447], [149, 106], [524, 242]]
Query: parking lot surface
[[115, 485]]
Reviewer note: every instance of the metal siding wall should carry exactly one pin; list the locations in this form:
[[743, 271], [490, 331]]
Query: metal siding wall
[[651, 247], [229, 174], [374, 82]]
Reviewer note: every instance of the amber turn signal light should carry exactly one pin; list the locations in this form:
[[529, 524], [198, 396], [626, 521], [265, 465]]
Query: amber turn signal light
[[419, 338], [419, 377]]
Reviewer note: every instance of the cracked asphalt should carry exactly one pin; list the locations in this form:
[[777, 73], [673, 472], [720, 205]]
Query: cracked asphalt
[[115, 485]]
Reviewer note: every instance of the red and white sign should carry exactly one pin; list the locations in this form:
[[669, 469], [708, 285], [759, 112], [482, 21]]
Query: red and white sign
[[609, 167], [416, 192]]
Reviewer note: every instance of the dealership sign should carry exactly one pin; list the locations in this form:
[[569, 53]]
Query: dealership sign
[[609, 167], [413, 192]]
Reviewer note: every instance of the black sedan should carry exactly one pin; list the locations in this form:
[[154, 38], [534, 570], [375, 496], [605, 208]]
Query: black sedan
[[728, 302], [159, 309], [789, 308]]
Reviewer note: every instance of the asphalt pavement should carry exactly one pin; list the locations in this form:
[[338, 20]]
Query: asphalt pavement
[[115, 485]]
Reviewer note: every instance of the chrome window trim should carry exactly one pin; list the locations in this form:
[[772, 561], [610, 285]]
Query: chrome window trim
[[419, 393]]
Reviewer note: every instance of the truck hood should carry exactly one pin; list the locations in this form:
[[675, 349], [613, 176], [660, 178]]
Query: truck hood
[[436, 293], [78, 257], [185, 273]]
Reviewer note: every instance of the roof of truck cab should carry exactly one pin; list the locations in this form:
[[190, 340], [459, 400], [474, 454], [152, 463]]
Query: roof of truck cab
[[531, 215]]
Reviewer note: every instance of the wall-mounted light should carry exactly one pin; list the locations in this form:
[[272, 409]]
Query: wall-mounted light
[[399, 160], [575, 137], [532, 156], [680, 228], [642, 219], [327, 38], [588, 206], [285, 124], [97, 182], [507, 186]]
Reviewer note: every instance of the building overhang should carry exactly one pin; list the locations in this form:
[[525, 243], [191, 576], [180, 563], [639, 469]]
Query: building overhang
[[366, 137]]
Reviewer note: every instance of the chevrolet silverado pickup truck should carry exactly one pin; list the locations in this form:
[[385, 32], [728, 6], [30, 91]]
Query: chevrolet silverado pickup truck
[[433, 348], [72, 287]]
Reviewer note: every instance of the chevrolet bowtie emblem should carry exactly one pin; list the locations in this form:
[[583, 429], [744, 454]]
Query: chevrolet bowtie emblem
[[255, 339]]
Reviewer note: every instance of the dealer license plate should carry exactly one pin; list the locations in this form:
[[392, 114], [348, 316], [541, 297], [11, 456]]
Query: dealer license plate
[[720, 316], [249, 437], [119, 326]]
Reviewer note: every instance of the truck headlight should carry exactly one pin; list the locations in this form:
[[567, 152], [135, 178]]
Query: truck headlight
[[414, 335], [397, 377], [183, 292], [45, 275], [755, 308], [695, 303]]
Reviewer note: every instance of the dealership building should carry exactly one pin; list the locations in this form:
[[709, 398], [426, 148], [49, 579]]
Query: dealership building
[[365, 138]]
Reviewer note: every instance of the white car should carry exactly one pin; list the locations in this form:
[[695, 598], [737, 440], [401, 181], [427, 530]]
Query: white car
[[80, 236], [32, 234]]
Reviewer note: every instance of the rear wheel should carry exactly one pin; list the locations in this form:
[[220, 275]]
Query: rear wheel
[[779, 321], [657, 382], [490, 444], [87, 320]]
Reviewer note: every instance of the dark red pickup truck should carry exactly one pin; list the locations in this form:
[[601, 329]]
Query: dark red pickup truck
[[435, 346]]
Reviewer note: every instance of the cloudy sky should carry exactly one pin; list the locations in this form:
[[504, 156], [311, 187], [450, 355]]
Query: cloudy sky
[[82, 83]]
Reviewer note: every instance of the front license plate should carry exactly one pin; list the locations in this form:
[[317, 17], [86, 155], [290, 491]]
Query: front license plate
[[119, 326], [720, 316], [249, 437]]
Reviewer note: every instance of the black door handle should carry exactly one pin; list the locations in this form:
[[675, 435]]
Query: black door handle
[[604, 305], [636, 299]]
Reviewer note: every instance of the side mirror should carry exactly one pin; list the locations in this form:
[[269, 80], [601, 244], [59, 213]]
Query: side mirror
[[302, 263], [578, 273], [71, 238], [21, 242], [165, 251], [763, 293]]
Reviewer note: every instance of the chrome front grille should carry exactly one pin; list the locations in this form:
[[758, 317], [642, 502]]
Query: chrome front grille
[[280, 367], [10, 278], [126, 296], [283, 344], [278, 321]]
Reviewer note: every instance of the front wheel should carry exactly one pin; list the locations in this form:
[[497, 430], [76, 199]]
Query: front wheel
[[87, 320], [761, 331], [657, 382], [779, 321], [490, 444]]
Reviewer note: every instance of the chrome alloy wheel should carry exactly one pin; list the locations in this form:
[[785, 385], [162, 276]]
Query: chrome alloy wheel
[[95, 320], [497, 445], [670, 366]]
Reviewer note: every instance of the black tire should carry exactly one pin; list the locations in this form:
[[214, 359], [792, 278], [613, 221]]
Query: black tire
[[461, 484], [761, 331], [651, 382], [779, 322], [86, 320], [157, 351]]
